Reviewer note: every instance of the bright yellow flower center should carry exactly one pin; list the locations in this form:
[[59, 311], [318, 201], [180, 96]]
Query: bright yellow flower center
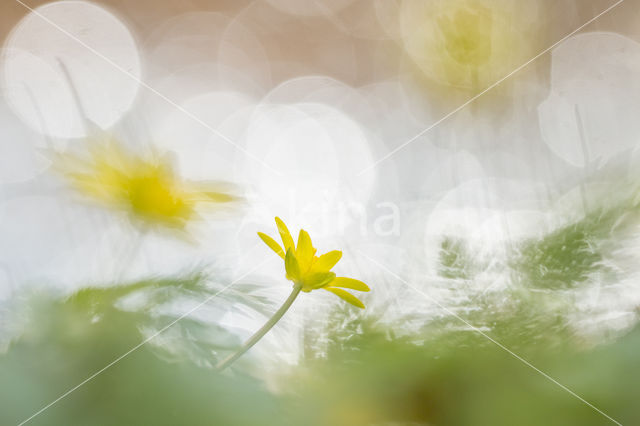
[[153, 195], [466, 36], [147, 188]]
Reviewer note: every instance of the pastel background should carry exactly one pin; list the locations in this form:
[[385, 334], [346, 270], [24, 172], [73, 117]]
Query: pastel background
[[476, 162]]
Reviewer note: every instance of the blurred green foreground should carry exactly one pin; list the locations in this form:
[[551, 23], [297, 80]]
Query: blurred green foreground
[[364, 376], [367, 369]]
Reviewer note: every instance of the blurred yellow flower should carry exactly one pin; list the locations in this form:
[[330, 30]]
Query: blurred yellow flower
[[466, 35], [468, 44], [309, 271], [147, 188]]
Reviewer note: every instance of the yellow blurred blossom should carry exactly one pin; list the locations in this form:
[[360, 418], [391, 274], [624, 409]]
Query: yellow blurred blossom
[[311, 272], [148, 188], [468, 44], [465, 35]]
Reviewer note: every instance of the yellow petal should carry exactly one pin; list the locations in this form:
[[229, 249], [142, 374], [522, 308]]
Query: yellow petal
[[318, 280], [351, 283], [219, 197], [272, 244], [346, 296], [291, 266], [287, 240], [327, 261], [304, 252]]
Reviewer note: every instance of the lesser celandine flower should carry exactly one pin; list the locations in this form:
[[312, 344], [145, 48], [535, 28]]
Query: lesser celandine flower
[[148, 188], [308, 272]]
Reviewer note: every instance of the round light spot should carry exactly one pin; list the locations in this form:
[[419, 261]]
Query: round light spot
[[592, 111], [66, 60], [314, 153]]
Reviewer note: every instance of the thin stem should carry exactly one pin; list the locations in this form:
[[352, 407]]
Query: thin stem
[[82, 111], [264, 330]]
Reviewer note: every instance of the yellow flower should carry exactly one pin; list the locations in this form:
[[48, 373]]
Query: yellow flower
[[147, 188], [465, 35], [468, 44], [309, 271]]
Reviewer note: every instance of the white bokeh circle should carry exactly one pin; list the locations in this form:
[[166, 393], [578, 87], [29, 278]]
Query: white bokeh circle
[[201, 154], [316, 152], [93, 45], [592, 111]]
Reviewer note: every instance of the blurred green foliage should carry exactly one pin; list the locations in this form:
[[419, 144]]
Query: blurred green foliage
[[459, 377], [355, 371], [564, 258], [455, 261], [66, 341], [366, 375], [570, 254]]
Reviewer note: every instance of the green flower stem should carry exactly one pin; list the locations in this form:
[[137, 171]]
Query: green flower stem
[[264, 330]]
